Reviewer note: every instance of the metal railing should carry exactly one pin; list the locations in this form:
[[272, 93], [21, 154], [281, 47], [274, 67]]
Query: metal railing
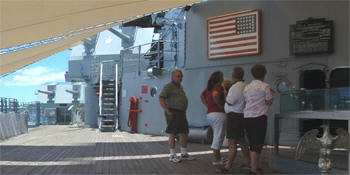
[[8, 105]]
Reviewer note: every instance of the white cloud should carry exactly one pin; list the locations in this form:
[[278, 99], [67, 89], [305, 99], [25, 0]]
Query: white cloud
[[34, 76]]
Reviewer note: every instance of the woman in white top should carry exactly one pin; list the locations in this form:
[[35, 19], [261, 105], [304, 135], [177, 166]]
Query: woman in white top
[[235, 121], [258, 97]]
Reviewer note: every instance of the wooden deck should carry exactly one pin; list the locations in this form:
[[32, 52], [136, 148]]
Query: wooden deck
[[72, 150]]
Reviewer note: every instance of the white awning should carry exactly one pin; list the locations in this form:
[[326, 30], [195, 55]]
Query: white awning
[[28, 21]]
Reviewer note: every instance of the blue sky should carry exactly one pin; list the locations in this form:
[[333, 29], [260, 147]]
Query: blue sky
[[23, 83]]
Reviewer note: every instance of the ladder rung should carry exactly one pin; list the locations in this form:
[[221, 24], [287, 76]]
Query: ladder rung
[[107, 93], [108, 109], [107, 126], [108, 99], [108, 81], [107, 114], [108, 104], [104, 90], [107, 120]]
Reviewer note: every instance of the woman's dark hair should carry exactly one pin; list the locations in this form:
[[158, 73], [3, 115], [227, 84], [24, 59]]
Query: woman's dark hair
[[215, 78], [258, 71], [238, 73]]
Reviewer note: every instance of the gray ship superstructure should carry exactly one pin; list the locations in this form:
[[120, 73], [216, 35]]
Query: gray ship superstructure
[[179, 41], [144, 50]]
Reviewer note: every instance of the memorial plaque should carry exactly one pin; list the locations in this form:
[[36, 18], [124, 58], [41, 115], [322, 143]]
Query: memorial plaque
[[311, 36]]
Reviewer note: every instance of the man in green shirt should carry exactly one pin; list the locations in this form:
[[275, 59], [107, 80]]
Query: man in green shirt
[[174, 102]]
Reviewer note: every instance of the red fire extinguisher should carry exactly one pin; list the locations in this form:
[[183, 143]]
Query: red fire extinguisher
[[132, 120]]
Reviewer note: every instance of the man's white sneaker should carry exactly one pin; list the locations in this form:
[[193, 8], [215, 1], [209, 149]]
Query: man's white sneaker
[[186, 157], [174, 159], [218, 163]]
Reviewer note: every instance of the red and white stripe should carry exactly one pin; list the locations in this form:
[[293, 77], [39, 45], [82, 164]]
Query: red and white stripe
[[223, 40]]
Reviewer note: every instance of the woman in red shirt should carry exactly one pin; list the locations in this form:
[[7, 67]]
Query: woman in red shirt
[[213, 98]]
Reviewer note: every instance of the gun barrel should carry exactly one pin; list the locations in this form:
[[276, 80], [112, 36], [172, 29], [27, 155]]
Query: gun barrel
[[45, 92], [72, 92], [121, 35]]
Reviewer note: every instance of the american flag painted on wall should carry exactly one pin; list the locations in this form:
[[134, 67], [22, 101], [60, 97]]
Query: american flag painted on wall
[[234, 34]]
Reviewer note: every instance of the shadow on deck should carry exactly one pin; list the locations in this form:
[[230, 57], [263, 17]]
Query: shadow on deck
[[69, 150]]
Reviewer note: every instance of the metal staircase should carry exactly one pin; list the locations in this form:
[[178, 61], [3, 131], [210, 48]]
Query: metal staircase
[[108, 96]]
